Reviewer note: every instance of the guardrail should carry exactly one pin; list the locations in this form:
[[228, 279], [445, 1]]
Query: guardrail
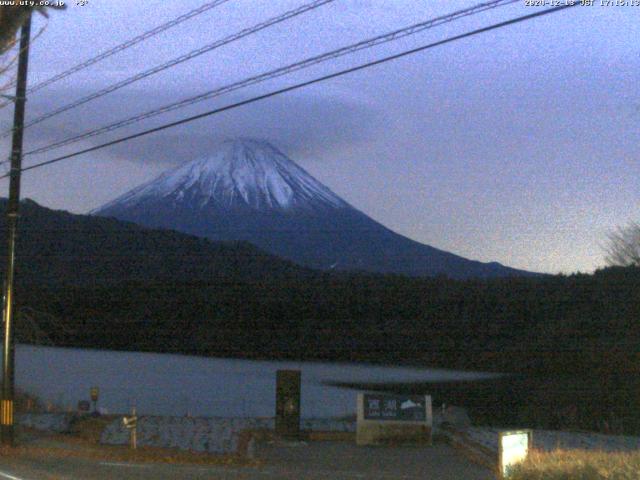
[[474, 451]]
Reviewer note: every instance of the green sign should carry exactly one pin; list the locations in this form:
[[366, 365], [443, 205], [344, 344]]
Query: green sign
[[408, 408]]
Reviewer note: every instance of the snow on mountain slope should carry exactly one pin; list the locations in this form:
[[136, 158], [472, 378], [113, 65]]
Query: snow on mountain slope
[[241, 174]]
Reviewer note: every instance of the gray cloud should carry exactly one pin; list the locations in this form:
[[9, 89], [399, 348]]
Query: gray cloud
[[299, 124]]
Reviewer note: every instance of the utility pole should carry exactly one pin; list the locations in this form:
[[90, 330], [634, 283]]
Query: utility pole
[[8, 353]]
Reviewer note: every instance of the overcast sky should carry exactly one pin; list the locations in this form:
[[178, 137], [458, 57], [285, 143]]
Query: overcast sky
[[520, 145]]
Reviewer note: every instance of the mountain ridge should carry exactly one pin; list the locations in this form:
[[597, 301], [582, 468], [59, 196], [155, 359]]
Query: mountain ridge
[[247, 190], [58, 247]]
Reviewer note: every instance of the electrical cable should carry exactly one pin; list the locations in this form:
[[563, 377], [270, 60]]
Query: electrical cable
[[172, 63], [129, 43], [306, 63], [302, 85]]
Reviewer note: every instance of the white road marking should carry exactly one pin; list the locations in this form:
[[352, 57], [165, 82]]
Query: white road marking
[[120, 464], [10, 477]]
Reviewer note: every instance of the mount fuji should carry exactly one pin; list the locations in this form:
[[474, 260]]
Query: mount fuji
[[248, 190]]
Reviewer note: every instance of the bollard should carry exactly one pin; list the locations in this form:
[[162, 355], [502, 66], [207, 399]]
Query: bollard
[[288, 403], [131, 423], [134, 430]]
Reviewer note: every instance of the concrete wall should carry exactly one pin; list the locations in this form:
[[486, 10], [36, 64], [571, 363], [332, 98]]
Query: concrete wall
[[212, 434]]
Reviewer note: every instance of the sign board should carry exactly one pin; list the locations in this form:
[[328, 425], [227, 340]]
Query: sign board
[[94, 394], [407, 408], [84, 406], [513, 447], [130, 422], [393, 418]]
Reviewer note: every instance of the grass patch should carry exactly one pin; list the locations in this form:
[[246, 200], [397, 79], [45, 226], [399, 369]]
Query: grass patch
[[89, 428], [25, 402], [578, 465]]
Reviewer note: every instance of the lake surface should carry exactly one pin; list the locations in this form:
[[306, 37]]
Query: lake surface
[[165, 384]]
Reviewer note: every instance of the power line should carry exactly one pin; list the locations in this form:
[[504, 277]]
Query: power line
[[182, 58], [306, 63], [303, 84], [129, 43]]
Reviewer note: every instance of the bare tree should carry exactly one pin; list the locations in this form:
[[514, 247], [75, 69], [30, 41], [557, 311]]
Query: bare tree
[[623, 247], [11, 19]]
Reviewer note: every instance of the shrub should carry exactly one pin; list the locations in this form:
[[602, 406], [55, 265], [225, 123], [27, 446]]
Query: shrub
[[578, 465]]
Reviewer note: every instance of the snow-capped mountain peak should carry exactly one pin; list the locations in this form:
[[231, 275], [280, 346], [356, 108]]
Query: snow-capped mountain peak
[[240, 174]]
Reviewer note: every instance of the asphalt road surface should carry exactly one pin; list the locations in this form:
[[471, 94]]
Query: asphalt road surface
[[313, 461]]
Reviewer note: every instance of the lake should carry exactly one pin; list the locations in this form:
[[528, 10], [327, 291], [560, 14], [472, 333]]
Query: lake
[[166, 384]]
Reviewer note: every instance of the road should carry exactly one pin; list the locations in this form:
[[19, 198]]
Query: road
[[314, 461]]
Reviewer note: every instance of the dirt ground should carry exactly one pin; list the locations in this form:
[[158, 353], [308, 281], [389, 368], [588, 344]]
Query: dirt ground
[[79, 456]]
